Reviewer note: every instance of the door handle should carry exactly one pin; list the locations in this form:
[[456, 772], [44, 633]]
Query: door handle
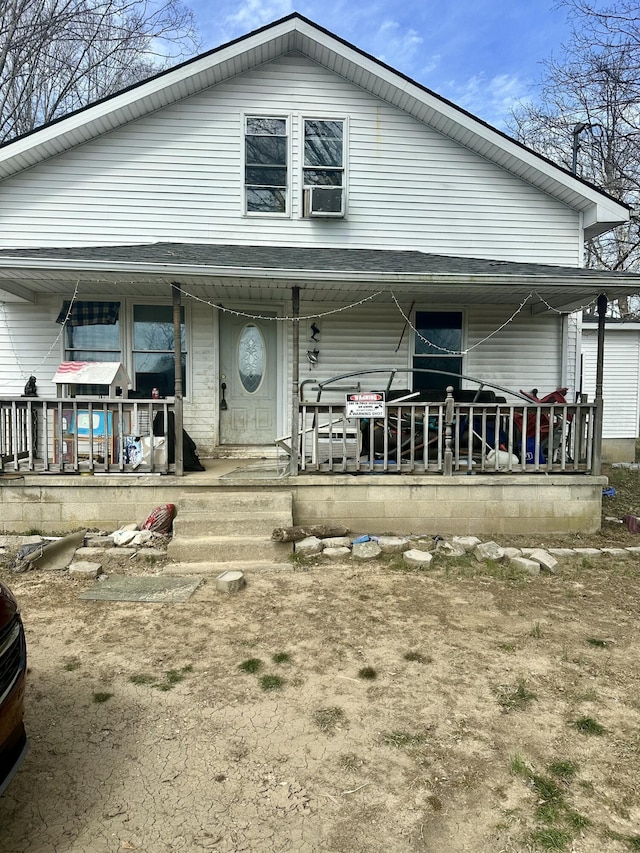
[[223, 402]]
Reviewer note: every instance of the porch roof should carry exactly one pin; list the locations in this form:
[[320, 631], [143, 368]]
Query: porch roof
[[214, 271]]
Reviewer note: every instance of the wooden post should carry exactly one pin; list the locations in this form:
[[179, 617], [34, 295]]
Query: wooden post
[[448, 432], [178, 390], [597, 427], [295, 380]]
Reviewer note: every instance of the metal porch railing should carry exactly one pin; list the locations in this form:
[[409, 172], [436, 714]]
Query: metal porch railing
[[70, 435], [449, 437]]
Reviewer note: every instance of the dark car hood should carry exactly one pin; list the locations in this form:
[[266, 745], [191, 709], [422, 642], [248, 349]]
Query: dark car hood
[[8, 605]]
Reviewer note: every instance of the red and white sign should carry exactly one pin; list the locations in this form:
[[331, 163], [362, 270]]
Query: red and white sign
[[366, 405]]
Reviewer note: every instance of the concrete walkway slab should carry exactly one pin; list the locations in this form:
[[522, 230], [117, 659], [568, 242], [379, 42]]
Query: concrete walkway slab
[[143, 588]]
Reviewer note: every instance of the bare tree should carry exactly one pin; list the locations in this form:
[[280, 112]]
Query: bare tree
[[587, 118], [59, 55]]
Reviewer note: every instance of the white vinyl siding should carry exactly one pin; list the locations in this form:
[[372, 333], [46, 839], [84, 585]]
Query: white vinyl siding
[[621, 379], [177, 175], [524, 355]]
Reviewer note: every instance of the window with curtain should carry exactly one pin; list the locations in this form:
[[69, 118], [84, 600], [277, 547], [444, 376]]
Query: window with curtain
[[92, 333]]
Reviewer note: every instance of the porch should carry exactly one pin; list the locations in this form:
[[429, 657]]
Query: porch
[[484, 504]]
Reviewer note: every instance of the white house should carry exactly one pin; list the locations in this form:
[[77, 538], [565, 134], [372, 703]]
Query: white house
[[314, 213]]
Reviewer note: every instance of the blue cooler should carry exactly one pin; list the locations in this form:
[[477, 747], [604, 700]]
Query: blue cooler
[[531, 452]]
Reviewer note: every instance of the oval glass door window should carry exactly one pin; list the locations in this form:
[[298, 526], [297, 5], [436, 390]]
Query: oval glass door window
[[251, 358]]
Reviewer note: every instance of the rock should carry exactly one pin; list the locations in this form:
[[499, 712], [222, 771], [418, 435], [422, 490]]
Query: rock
[[230, 581], [423, 543], [512, 552], [587, 552], [488, 551], [544, 559], [308, 547], [616, 552], [450, 549], [418, 558], [366, 550], [340, 552], [466, 542], [85, 569], [393, 544], [562, 552], [336, 542], [523, 564]]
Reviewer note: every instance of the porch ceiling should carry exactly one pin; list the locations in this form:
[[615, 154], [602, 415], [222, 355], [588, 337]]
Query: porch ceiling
[[227, 273]]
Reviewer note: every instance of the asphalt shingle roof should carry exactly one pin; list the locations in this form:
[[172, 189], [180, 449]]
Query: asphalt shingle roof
[[255, 258]]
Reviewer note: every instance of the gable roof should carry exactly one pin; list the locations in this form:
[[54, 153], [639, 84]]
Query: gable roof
[[295, 33]]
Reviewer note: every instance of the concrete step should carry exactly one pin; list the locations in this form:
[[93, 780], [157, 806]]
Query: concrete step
[[212, 570], [214, 524], [228, 503], [226, 549]]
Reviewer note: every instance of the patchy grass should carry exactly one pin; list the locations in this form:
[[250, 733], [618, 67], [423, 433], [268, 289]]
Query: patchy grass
[[402, 740], [167, 682], [589, 726], [328, 719], [350, 761], [417, 657], [72, 665], [368, 673], [251, 665], [142, 678], [99, 697], [557, 823], [599, 644], [271, 682], [564, 770], [514, 697], [281, 657]]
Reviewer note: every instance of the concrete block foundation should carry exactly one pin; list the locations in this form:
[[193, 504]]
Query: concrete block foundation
[[390, 504]]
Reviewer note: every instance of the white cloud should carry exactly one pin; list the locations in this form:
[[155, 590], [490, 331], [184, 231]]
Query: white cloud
[[252, 14], [490, 99]]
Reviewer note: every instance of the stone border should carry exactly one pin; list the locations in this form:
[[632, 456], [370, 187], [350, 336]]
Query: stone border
[[419, 551]]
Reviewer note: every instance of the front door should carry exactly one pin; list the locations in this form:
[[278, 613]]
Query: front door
[[248, 380]]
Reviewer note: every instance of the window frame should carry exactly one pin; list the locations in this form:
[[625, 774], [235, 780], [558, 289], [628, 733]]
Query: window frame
[[413, 355], [344, 169], [278, 214], [126, 338]]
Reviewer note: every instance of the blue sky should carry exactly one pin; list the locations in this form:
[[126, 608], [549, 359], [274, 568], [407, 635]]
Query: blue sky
[[484, 55]]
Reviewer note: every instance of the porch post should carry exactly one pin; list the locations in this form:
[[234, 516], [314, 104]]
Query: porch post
[[597, 426], [295, 380], [177, 360]]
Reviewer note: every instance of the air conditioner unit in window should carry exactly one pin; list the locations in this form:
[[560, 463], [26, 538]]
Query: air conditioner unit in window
[[324, 201]]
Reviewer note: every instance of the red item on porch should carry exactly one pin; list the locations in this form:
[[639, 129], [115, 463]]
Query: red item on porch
[[160, 520]]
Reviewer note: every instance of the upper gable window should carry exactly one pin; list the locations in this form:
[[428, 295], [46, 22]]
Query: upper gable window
[[323, 152], [266, 161]]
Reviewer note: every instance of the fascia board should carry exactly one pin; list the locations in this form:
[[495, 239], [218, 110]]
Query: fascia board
[[624, 283]]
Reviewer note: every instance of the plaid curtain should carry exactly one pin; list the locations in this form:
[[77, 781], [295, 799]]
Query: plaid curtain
[[89, 313]]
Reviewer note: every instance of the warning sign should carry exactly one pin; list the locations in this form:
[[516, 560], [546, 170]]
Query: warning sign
[[369, 405]]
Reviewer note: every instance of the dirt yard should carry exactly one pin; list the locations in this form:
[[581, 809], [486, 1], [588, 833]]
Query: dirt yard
[[335, 709]]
